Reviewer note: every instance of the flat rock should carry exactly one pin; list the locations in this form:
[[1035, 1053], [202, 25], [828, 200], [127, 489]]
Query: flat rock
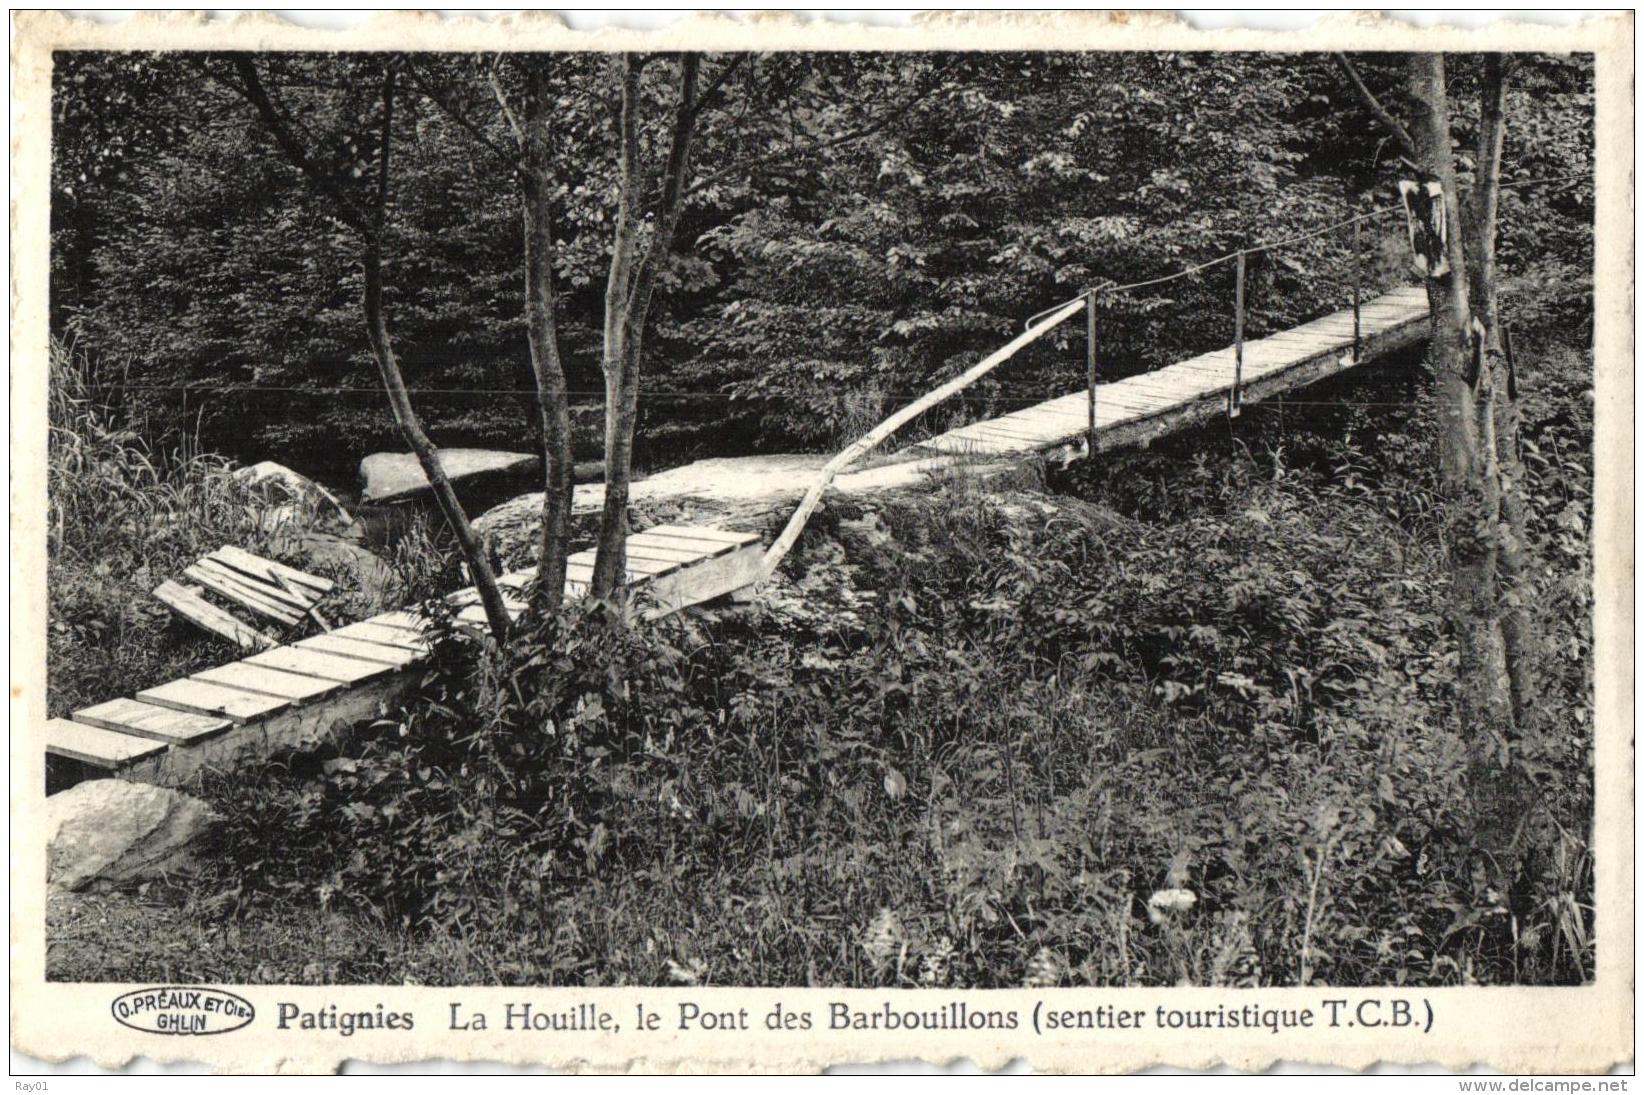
[[743, 493], [111, 832], [394, 476]]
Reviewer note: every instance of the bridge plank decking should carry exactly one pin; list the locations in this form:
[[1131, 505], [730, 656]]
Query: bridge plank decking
[[1272, 365], [297, 693]]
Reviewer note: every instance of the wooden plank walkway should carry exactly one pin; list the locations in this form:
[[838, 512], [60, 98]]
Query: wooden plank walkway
[[1137, 408], [299, 693]]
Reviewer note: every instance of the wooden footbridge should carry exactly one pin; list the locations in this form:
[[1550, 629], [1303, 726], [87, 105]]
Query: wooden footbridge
[[299, 693]]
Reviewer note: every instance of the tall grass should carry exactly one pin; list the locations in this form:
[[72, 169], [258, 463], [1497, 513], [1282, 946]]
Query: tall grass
[[124, 514]]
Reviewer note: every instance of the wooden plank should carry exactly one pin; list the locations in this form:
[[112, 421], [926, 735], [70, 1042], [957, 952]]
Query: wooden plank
[[363, 650], [98, 747], [996, 429], [647, 549], [397, 638], [1305, 341], [314, 663], [703, 532], [470, 596], [203, 614], [1041, 428], [295, 727], [295, 598], [579, 571], [245, 597], [258, 567], [1143, 395], [715, 578], [403, 619], [703, 548], [267, 682], [1060, 413], [636, 567], [972, 444], [1000, 429], [202, 698], [127, 716]]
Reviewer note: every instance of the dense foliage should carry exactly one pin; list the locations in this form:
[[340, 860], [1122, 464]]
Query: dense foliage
[[1007, 723], [820, 279], [127, 511]]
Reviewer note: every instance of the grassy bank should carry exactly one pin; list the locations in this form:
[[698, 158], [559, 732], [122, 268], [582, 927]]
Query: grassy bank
[[127, 511]]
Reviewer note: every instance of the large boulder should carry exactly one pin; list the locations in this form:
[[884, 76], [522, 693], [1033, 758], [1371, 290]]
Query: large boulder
[[396, 476], [738, 492], [746, 493], [112, 832], [293, 496]]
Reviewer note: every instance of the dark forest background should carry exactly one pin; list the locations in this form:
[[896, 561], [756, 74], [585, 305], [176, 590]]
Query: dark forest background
[[859, 227]]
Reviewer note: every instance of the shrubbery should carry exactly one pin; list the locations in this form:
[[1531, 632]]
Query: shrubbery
[[1195, 727]]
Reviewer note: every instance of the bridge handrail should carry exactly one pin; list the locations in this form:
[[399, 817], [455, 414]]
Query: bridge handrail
[[1040, 324]]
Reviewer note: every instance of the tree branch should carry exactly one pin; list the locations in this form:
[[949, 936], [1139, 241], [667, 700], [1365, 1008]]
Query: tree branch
[[514, 125], [715, 84], [347, 211], [1372, 104], [622, 240], [426, 89], [673, 181]]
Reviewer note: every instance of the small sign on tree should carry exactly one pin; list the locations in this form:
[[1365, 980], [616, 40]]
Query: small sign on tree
[[1424, 216]]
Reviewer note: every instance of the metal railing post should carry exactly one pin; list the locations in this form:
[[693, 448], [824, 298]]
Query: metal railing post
[[1238, 337], [1090, 368]]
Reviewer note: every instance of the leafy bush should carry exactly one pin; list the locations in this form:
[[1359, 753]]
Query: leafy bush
[[1195, 727]]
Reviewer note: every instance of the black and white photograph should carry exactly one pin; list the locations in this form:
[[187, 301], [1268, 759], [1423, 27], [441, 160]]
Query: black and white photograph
[[944, 519]]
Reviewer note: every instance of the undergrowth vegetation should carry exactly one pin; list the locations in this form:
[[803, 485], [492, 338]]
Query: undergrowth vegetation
[[1184, 719], [126, 512]]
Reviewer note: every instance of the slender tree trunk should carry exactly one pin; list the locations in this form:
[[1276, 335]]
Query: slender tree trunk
[[1471, 477], [553, 398], [1515, 580], [628, 296], [610, 558], [369, 221], [405, 417]]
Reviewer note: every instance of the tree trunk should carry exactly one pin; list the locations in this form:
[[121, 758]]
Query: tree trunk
[[1471, 478], [553, 399], [405, 417], [1515, 580], [610, 558], [369, 222], [628, 295]]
